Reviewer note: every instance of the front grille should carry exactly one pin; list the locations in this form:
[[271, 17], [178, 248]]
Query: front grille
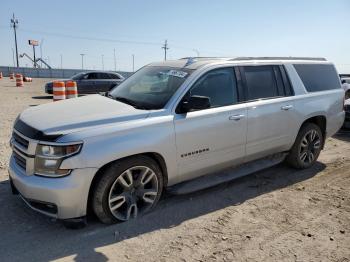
[[20, 140], [20, 161]]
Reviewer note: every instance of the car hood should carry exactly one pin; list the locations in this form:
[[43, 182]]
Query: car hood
[[67, 116]]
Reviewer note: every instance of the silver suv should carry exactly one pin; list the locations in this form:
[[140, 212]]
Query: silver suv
[[175, 125]]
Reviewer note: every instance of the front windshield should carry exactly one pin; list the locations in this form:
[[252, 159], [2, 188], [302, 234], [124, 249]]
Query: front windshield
[[151, 87], [77, 76]]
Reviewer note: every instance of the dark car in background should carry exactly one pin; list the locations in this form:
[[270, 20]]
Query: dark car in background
[[92, 82]]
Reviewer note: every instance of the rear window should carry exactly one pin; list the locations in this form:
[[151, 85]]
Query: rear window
[[318, 77]]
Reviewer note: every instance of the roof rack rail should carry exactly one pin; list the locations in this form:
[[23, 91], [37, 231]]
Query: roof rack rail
[[280, 58], [201, 57]]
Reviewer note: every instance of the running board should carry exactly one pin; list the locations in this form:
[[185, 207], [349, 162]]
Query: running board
[[226, 175]]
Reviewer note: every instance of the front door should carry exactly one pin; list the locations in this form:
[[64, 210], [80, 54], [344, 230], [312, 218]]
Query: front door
[[212, 138]]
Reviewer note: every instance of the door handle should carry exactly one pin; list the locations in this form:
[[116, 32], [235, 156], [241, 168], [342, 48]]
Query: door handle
[[286, 107], [236, 117]]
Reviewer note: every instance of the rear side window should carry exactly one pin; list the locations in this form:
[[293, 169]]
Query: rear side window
[[318, 77], [93, 76], [261, 82]]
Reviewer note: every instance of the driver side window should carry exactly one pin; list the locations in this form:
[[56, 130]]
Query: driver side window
[[218, 85]]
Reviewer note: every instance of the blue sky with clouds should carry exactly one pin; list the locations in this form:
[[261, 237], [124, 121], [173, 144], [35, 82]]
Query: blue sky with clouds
[[210, 28]]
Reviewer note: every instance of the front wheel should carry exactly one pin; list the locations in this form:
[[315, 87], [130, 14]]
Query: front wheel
[[307, 147], [127, 189]]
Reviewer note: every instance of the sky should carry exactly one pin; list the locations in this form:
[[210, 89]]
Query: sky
[[67, 29]]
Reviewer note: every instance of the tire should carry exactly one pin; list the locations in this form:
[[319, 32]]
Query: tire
[[307, 147], [127, 189]]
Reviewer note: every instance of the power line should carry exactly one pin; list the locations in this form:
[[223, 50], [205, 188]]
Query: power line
[[91, 38]]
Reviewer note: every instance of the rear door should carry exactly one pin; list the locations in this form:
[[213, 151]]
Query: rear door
[[270, 105], [104, 82], [115, 79]]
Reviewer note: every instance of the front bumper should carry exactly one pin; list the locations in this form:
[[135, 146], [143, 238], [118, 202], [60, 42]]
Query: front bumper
[[61, 198]]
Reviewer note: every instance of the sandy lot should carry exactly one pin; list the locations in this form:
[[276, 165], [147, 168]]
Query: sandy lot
[[279, 214]]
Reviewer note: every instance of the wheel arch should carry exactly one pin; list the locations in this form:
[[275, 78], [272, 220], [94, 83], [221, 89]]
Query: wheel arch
[[155, 156]]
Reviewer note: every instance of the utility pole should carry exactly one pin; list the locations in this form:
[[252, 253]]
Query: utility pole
[[165, 47], [34, 56], [14, 25], [133, 63], [115, 62], [41, 50], [82, 61], [103, 64], [13, 57], [61, 60]]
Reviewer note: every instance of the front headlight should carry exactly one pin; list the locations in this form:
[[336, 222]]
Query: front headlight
[[48, 159]]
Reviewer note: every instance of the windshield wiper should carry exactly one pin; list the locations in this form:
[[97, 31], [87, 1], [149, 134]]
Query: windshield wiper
[[129, 102]]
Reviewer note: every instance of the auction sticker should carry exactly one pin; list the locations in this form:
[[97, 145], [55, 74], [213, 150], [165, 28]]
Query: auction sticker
[[177, 73]]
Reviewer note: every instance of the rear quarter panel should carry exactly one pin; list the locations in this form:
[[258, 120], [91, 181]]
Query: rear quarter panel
[[325, 103]]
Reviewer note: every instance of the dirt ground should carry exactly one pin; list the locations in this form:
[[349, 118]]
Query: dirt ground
[[279, 214]]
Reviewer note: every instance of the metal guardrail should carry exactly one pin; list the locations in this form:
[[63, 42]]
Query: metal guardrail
[[47, 73]]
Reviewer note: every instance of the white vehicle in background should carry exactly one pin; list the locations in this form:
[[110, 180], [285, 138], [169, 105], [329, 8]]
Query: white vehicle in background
[[346, 84], [172, 125]]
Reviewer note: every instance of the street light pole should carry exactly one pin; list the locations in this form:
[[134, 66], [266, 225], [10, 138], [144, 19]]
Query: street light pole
[[103, 64], [115, 61], [82, 61], [133, 63], [14, 24], [61, 60]]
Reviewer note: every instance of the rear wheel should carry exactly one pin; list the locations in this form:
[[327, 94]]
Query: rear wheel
[[307, 147], [127, 189]]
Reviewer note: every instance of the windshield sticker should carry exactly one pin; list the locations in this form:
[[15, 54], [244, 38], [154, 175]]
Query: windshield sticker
[[177, 73]]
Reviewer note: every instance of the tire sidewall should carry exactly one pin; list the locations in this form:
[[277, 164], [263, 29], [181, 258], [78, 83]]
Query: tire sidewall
[[305, 129], [101, 195]]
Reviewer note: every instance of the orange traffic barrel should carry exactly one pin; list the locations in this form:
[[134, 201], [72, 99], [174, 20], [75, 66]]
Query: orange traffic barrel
[[71, 89], [59, 91], [19, 80], [0, 75], [12, 75]]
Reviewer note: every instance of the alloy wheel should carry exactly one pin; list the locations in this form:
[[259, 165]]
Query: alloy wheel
[[310, 146], [133, 192]]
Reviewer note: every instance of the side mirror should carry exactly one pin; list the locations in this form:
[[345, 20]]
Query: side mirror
[[194, 103], [343, 81]]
